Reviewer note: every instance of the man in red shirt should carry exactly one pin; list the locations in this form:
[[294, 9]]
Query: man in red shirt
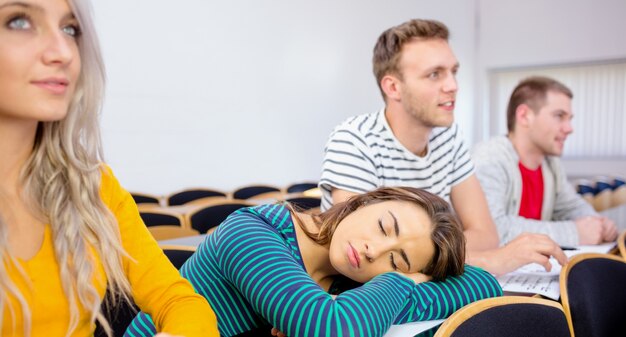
[[522, 177]]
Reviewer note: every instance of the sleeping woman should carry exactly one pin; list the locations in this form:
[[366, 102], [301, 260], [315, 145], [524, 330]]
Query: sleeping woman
[[389, 256]]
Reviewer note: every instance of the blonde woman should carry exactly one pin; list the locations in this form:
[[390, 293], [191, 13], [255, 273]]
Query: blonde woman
[[68, 231]]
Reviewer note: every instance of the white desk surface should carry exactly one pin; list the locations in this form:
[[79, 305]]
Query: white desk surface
[[411, 329]]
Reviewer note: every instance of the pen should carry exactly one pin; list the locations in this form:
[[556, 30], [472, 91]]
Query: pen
[[568, 248]]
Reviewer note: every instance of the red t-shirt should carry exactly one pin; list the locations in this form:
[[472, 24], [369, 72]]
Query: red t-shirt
[[532, 193]]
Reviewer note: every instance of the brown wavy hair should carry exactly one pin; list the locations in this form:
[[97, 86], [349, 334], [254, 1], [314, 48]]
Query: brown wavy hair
[[446, 232]]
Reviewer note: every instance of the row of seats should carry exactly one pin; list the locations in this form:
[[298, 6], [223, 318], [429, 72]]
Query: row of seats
[[599, 184], [202, 209], [201, 215], [593, 304], [603, 192], [242, 193]]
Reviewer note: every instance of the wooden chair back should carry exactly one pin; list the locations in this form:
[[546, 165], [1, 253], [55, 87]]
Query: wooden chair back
[[593, 296], [510, 316]]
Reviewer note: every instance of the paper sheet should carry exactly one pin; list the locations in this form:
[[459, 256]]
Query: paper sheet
[[534, 279], [411, 329]]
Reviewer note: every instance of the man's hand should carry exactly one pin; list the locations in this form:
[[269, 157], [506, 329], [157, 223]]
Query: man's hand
[[592, 230], [524, 249], [609, 232]]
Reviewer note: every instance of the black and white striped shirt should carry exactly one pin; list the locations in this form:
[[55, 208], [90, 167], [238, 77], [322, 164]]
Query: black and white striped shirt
[[362, 154]]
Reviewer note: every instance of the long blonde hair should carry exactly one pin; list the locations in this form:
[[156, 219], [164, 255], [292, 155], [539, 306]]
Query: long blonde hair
[[62, 177]]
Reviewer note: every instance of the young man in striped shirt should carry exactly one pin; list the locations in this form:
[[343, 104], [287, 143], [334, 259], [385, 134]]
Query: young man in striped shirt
[[525, 185], [413, 141]]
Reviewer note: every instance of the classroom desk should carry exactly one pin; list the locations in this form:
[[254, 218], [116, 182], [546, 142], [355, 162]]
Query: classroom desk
[[193, 241], [403, 330]]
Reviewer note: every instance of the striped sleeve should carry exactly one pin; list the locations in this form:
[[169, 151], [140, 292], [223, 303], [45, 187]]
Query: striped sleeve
[[438, 300], [348, 164], [141, 326], [280, 290], [463, 167], [251, 276]]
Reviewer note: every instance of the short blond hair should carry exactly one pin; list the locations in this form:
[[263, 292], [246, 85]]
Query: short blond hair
[[388, 48]]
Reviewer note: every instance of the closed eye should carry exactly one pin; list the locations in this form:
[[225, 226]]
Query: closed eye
[[393, 263], [380, 225]]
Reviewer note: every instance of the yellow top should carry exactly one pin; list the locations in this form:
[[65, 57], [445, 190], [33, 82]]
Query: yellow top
[[157, 287]]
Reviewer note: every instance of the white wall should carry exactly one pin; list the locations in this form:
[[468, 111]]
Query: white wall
[[221, 94], [539, 32], [226, 93]]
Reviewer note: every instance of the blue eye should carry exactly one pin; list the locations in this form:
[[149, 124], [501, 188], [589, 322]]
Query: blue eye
[[433, 75], [20, 22], [71, 30]]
